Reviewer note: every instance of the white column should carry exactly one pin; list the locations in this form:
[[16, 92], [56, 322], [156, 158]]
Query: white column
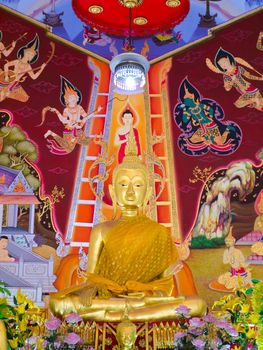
[[31, 218], [15, 215], [11, 215], [1, 216]]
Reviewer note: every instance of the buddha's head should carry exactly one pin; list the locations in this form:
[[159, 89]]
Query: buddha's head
[[130, 187], [126, 335]]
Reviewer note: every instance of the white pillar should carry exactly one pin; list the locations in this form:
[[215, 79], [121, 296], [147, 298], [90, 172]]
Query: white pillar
[[11, 215], [15, 215], [31, 218], [1, 216]]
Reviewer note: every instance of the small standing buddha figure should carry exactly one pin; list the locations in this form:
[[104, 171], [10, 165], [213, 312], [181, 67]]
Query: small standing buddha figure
[[239, 275], [132, 260], [258, 225]]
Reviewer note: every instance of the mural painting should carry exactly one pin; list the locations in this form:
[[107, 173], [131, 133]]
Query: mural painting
[[75, 155]]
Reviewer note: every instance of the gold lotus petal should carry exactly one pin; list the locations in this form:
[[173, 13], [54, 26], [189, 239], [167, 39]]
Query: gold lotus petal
[[140, 21], [95, 9], [173, 3]]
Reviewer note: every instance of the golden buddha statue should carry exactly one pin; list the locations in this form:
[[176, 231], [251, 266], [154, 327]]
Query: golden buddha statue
[[132, 260], [126, 335], [3, 340]]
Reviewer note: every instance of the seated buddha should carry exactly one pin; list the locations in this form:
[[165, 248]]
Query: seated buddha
[[132, 260]]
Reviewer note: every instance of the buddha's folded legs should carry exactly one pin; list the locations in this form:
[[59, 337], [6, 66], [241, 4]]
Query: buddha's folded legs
[[160, 311]]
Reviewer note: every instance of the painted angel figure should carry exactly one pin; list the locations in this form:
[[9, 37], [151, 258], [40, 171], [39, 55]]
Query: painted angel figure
[[63, 247], [73, 117], [16, 71], [6, 51], [200, 120], [235, 75]]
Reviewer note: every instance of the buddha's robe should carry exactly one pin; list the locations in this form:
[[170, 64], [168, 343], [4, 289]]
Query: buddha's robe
[[135, 254]]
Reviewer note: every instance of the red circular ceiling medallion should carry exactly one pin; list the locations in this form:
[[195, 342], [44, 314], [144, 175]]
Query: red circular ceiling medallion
[[114, 18]]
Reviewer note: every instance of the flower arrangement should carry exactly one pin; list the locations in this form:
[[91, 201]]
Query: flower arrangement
[[17, 318], [208, 332], [257, 304], [71, 333]]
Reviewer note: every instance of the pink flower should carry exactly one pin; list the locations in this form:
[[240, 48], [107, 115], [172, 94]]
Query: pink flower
[[73, 318], [209, 318], [52, 324], [183, 311], [179, 335], [72, 339], [198, 343], [196, 322]]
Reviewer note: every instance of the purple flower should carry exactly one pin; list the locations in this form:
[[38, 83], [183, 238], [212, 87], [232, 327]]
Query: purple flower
[[196, 322], [73, 318], [31, 341], [57, 344], [221, 323], [183, 310], [179, 335], [72, 339], [231, 330], [195, 331], [209, 318], [198, 343], [52, 324]]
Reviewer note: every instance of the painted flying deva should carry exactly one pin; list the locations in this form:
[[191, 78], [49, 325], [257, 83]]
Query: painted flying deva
[[6, 50], [234, 75], [73, 117], [16, 71], [200, 120]]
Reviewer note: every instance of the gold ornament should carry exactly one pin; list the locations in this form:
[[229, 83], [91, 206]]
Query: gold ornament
[[95, 9], [131, 3], [173, 3], [140, 21]]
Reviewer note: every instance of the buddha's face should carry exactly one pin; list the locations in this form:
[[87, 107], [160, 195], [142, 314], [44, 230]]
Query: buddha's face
[[126, 336], [127, 119], [130, 188]]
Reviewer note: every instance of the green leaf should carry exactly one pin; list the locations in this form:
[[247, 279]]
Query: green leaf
[[249, 291], [255, 281]]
